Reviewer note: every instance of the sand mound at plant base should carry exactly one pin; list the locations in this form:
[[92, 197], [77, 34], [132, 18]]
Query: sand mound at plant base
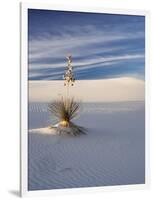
[[45, 130], [55, 130]]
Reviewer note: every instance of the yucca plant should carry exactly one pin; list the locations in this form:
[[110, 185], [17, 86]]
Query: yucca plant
[[66, 109]]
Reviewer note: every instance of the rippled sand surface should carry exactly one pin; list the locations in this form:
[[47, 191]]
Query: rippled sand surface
[[112, 152]]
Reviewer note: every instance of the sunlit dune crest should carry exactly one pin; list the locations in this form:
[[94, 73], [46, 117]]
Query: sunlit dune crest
[[108, 90]]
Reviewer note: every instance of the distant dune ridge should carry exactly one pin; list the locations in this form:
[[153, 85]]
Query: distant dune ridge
[[108, 90]]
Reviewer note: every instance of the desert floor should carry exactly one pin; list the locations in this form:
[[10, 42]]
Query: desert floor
[[111, 153]]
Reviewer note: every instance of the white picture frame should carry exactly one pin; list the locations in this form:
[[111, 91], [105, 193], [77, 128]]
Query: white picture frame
[[24, 97]]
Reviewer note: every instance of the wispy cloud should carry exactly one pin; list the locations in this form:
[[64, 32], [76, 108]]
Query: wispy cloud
[[92, 47]]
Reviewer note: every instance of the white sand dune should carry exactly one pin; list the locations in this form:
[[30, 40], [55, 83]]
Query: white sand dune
[[108, 90], [112, 152]]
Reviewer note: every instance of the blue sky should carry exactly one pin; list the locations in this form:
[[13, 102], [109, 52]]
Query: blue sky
[[102, 45]]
